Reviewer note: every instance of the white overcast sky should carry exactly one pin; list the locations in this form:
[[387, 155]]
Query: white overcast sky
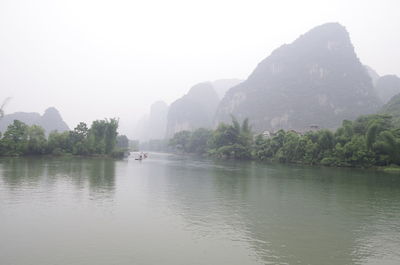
[[97, 59]]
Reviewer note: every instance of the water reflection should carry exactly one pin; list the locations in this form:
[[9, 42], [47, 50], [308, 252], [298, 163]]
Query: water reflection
[[289, 214], [96, 173], [15, 171], [213, 212]]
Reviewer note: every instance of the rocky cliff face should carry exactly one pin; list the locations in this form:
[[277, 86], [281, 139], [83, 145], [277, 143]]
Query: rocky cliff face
[[316, 80], [51, 120], [387, 86], [194, 110]]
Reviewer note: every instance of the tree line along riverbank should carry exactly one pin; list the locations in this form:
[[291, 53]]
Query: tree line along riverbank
[[369, 141], [100, 139]]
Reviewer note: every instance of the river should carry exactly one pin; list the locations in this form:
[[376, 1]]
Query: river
[[174, 210]]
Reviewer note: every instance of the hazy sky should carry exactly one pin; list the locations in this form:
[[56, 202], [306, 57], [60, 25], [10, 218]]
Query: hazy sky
[[97, 59]]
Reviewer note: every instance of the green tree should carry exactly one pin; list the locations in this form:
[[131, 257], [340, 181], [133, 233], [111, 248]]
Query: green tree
[[111, 135], [181, 141], [78, 139], [15, 139], [122, 142], [102, 136], [37, 142], [198, 141], [232, 141], [59, 143]]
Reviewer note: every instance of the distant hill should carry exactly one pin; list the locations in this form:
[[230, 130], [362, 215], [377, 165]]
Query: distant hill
[[51, 120], [373, 74], [154, 125], [387, 86], [316, 80], [392, 108], [194, 110], [221, 86]]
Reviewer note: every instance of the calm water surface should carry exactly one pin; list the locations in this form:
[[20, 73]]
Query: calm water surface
[[175, 210]]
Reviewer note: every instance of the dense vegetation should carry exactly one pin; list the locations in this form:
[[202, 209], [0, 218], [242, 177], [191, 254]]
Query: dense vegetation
[[370, 140], [100, 139]]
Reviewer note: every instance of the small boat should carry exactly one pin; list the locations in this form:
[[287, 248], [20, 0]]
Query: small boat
[[141, 156]]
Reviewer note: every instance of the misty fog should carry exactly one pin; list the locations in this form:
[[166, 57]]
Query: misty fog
[[97, 59]]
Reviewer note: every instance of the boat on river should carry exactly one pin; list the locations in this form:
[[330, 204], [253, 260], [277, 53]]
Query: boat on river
[[141, 156]]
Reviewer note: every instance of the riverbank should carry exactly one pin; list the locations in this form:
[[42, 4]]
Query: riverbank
[[369, 141], [114, 155], [390, 169]]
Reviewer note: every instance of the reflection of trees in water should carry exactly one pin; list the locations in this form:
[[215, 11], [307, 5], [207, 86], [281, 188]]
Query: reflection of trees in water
[[102, 176], [311, 215], [289, 214], [17, 171], [97, 173]]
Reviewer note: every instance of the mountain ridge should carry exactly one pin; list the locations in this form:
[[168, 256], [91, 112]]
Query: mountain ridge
[[50, 120], [317, 79], [193, 110]]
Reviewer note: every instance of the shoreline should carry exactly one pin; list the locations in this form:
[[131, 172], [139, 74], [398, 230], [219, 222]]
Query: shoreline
[[392, 169]]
